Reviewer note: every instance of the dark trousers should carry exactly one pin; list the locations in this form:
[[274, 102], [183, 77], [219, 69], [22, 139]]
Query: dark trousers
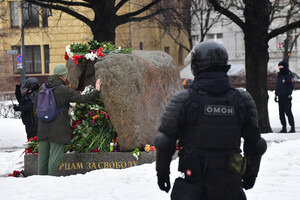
[[285, 108], [31, 131]]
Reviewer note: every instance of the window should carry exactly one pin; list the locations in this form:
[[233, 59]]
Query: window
[[45, 14], [167, 50], [30, 15], [210, 36], [14, 14], [218, 37], [33, 59], [180, 56], [47, 58], [15, 62], [195, 39], [141, 46], [293, 37]]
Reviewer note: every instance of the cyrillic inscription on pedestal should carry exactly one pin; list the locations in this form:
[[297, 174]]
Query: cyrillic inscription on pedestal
[[81, 163]]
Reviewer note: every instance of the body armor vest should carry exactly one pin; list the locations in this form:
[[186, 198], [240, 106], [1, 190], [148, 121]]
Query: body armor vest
[[212, 122]]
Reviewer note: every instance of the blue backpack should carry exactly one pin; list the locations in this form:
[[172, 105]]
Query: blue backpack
[[46, 105]]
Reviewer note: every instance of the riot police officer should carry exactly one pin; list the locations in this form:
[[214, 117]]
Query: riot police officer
[[208, 121], [283, 95], [26, 103]]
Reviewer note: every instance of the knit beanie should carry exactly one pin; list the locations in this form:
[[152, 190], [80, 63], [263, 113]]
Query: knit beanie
[[284, 64], [60, 70]]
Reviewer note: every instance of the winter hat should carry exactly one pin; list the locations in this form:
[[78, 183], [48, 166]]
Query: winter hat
[[284, 64], [60, 70]]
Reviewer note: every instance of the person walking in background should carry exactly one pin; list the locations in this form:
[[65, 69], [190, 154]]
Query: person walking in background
[[283, 95], [26, 103], [53, 135], [209, 121]]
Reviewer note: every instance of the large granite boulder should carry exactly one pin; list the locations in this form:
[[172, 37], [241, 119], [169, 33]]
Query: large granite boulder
[[81, 75], [136, 88]]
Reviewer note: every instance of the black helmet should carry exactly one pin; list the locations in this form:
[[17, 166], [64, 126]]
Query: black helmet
[[209, 54], [32, 83]]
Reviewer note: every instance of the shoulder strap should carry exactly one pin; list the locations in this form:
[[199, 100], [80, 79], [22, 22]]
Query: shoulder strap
[[55, 87], [45, 86]]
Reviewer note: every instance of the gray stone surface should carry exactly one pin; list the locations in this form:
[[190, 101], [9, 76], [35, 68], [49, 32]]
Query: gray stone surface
[[136, 88], [81, 75], [81, 163]]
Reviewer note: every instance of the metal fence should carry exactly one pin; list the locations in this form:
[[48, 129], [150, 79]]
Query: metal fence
[[7, 99]]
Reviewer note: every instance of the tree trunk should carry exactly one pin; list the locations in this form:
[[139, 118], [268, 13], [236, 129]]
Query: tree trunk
[[257, 58], [104, 24]]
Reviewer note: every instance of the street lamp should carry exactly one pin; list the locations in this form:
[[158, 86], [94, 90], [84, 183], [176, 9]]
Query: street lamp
[[23, 69]]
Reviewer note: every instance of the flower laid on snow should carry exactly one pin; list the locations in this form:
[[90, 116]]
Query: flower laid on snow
[[16, 173], [91, 51]]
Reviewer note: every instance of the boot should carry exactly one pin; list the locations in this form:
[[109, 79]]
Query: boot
[[292, 130], [283, 130]]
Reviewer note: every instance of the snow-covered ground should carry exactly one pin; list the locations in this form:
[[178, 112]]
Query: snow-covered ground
[[279, 176]]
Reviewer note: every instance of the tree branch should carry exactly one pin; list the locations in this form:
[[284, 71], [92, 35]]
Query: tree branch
[[56, 2], [282, 29], [119, 5], [147, 7], [227, 13], [62, 8], [138, 19]]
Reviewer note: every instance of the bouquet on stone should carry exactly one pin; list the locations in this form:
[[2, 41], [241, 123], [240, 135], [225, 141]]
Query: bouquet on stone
[[32, 145], [92, 128], [91, 51]]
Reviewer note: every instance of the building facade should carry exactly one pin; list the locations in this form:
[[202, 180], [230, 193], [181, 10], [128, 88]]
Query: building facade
[[232, 37], [48, 32]]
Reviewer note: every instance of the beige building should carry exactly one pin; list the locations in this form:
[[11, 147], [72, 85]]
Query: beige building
[[48, 32]]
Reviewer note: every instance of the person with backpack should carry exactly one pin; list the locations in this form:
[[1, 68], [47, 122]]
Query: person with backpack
[[208, 122], [54, 133], [26, 103]]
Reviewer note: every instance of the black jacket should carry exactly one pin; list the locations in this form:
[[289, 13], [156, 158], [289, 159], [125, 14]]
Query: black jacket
[[215, 83], [285, 83], [26, 103]]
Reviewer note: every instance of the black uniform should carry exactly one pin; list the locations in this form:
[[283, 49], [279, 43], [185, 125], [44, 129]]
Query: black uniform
[[209, 121], [26, 103], [284, 90]]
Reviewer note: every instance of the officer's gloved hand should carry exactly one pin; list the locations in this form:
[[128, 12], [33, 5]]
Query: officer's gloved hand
[[275, 99], [164, 182], [16, 108], [290, 97], [18, 87], [248, 182]]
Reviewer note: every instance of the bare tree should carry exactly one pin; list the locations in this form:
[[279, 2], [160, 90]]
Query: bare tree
[[105, 19], [291, 12], [189, 18], [255, 25], [3, 14], [296, 2]]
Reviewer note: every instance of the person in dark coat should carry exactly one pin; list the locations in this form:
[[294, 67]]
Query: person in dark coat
[[283, 95], [53, 135], [208, 121], [26, 103]]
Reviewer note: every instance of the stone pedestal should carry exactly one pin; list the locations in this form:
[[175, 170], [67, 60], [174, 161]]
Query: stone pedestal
[[81, 163]]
